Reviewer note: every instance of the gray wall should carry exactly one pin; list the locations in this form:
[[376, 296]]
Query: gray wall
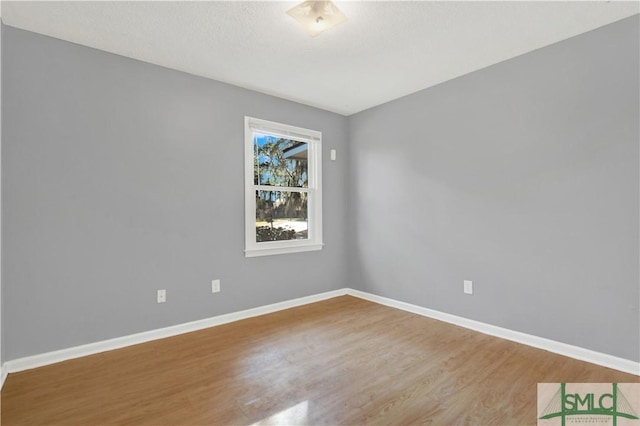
[[120, 178], [522, 177], [1, 323]]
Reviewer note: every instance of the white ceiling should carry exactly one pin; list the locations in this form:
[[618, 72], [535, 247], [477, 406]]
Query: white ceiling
[[384, 51]]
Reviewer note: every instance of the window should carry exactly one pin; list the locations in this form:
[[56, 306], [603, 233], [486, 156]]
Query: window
[[283, 196]]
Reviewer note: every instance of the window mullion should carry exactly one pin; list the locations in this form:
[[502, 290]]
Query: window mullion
[[280, 188]]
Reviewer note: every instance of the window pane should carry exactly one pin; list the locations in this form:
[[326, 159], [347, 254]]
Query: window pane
[[279, 162], [281, 215]]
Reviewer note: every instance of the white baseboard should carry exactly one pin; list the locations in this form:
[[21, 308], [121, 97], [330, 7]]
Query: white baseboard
[[40, 360], [571, 351], [3, 375], [576, 352]]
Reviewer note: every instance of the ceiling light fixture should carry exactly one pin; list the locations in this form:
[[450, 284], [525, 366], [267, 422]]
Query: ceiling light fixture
[[317, 16]]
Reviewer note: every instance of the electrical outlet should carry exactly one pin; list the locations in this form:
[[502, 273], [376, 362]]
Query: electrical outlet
[[333, 154], [215, 286], [162, 296], [468, 287]]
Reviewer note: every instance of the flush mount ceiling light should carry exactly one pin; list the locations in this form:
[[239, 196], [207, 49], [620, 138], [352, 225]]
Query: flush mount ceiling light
[[317, 16]]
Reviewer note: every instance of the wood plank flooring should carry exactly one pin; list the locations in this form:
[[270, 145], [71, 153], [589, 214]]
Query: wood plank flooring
[[340, 361]]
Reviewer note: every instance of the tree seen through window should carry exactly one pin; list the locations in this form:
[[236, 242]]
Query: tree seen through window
[[281, 213]]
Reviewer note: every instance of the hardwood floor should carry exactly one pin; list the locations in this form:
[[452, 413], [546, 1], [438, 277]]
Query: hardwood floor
[[340, 361]]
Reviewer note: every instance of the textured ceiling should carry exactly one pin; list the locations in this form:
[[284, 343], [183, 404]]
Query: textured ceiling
[[384, 51]]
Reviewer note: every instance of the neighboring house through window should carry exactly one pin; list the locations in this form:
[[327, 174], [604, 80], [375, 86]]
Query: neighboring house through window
[[283, 194]]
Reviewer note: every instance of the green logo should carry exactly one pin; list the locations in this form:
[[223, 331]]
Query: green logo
[[586, 402]]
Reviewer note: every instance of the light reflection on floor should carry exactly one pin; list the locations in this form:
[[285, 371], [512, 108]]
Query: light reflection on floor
[[295, 415]]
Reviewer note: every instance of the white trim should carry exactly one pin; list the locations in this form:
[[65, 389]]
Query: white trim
[[283, 130], [40, 360], [571, 351], [314, 189], [3, 375], [298, 248], [560, 348], [279, 188]]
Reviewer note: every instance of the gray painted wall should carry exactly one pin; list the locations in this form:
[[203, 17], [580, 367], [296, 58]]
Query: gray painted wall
[[1, 323], [522, 177], [120, 178]]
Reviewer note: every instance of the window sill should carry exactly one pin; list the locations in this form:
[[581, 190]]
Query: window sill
[[268, 251]]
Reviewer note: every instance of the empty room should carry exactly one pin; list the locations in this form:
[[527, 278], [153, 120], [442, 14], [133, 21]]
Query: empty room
[[320, 213]]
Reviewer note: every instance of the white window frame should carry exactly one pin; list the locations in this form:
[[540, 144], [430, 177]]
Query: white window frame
[[314, 189]]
